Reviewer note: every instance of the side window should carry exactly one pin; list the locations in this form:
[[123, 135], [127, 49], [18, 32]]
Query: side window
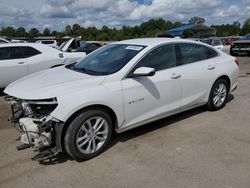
[[192, 53], [29, 51], [211, 53], [162, 57], [11, 53]]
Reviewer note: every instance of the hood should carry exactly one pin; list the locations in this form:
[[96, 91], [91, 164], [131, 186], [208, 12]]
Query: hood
[[51, 83]]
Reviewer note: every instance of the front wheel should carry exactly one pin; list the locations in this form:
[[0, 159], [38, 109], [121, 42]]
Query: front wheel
[[218, 95], [88, 134]]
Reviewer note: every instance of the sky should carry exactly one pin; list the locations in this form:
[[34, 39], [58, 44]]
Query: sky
[[56, 14]]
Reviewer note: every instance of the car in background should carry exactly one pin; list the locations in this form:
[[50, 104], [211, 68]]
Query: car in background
[[78, 45], [21, 59], [51, 43], [18, 41], [89, 46], [216, 43], [241, 46], [71, 45], [4, 41], [123, 85], [228, 41]]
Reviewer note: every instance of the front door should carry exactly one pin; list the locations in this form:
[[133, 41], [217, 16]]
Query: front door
[[152, 97]]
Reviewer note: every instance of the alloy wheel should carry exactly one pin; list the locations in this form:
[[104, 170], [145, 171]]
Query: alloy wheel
[[92, 135], [219, 95]]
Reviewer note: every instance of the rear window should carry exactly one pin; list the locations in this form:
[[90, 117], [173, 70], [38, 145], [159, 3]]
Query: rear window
[[211, 53], [192, 52], [47, 42], [29, 51]]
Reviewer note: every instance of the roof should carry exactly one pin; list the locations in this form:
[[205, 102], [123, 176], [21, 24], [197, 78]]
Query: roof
[[153, 42], [45, 38], [20, 44], [39, 46], [150, 41]]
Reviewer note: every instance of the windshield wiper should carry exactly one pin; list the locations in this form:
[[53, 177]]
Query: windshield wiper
[[88, 71], [84, 70]]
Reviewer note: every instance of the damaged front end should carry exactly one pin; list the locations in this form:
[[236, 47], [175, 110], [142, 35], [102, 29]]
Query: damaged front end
[[37, 127]]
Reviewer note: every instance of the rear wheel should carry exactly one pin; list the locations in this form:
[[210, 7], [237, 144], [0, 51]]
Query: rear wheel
[[218, 95], [88, 134]]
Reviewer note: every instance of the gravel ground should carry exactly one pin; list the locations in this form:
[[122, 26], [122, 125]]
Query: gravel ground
[[193, 149]]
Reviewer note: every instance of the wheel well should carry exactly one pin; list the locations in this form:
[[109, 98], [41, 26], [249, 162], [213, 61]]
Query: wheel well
[[70, 119], [227, 80]]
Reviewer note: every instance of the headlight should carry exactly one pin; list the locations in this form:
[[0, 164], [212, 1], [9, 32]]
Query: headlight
[[39, 108], [26, 108]]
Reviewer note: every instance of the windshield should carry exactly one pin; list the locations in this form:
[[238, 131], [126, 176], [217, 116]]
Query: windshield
[[246, 37], [62, 45], [107, 60], [207, 41]]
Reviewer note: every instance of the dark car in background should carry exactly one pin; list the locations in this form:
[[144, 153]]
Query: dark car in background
[[241, 46]]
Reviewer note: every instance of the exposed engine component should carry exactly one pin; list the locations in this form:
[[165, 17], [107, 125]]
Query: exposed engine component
[[31, 134], [32, 119]]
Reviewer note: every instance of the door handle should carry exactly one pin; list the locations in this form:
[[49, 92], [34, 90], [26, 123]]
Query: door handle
[[211, 67], [20, 63], [175, 76]]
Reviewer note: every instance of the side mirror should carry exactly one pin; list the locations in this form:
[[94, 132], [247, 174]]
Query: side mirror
[[144, 71], [69, 50]]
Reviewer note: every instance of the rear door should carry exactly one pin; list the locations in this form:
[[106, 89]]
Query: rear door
[[40, 60], [198, 70], [13, 65]]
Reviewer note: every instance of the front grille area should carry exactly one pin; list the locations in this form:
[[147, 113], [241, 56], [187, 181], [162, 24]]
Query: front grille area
[[242, 45]]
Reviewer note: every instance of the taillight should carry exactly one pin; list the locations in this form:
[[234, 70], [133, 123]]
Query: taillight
[[237, 62]]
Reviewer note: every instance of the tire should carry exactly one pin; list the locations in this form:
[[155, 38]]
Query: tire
[[91, 141], [221, 90]]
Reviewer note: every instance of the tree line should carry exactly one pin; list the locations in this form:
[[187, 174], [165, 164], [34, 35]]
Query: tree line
[[149, 28]]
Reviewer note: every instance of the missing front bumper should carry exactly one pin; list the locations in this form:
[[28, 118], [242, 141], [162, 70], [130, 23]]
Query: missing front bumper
[[44, 134]]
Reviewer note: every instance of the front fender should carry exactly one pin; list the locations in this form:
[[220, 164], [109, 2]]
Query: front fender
[[71, 103]]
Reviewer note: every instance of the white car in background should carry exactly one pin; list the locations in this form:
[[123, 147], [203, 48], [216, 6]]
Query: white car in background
[[118, 87], [71, 45], [216, 43], [21, 59], [4, 41], [51, 43]]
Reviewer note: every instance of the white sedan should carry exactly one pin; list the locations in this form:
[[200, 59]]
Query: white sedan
[[116, 88], [19, 60]]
